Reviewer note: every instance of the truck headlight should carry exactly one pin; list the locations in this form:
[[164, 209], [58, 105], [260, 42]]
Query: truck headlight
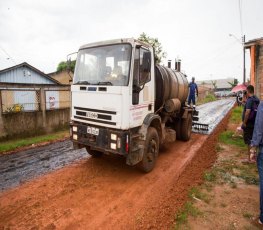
[[113, 137], [75, 129], [113, 146], [75, 136]]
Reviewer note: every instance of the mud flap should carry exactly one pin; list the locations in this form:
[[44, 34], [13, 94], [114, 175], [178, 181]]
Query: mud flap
[[134, 157]]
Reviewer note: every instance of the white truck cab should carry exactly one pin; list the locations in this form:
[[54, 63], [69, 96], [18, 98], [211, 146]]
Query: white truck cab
[[113, 102]]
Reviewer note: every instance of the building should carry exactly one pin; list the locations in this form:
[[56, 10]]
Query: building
[[217, 84], [256, 67], [64, 77], [25, 74], [31, 102]]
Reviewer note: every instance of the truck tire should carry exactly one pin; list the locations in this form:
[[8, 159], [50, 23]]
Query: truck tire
[[151, 151], [177, 127], [186, 128], [94, 153]]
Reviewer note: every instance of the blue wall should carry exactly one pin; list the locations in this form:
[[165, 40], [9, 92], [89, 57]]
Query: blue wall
[[24, 75]]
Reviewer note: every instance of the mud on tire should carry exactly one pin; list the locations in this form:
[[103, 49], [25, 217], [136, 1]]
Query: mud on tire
[[186, 128], [151, 151]]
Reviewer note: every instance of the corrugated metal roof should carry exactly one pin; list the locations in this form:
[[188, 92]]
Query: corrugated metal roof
[[254, 42], [220, 83], [12, 75]]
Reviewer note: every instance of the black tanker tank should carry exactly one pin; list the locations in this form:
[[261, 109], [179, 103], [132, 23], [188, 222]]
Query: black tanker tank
[[170, 85]]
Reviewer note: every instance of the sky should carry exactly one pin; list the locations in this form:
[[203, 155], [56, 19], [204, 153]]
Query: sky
[[42, 33]]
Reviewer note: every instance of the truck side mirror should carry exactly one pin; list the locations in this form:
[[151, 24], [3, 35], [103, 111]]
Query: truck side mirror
[[68, 64], [145, 75], [146, 62]]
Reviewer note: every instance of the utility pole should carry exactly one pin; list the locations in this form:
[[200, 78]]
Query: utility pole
[[244, 59]]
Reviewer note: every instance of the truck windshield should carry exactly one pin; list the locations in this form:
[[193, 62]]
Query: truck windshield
[[104, 65]]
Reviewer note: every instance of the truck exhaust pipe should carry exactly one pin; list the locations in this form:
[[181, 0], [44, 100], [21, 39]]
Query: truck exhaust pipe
[[179, 65], [169, 64]]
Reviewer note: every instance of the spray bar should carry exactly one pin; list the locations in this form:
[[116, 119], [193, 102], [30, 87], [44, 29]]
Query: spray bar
[[199, 126]]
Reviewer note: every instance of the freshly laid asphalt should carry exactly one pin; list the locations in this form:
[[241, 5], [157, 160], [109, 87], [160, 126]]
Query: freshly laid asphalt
[[25, 165]]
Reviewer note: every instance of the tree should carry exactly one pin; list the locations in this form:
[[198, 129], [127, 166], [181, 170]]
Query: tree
[[64, 66], [214, 84], [234, 83], [159, 54]]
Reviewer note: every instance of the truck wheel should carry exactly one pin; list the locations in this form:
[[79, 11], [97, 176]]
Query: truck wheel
[[94, 153], [151, 151], [186, 128], [177, 128]]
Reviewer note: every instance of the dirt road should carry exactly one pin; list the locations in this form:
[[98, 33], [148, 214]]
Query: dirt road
[[106, 194]]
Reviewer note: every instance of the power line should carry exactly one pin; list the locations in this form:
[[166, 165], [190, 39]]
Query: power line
[[9, 57]]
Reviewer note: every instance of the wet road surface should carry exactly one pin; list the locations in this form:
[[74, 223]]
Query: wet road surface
[[22, 166], [25, 165], [212, 113]]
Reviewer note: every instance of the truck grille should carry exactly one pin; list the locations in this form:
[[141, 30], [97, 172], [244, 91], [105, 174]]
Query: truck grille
[[95, 115]]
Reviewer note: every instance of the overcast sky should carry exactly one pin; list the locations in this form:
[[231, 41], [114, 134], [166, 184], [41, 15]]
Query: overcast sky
[[42, 33]]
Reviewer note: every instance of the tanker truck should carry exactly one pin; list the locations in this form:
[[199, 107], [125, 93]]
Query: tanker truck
[[124, 103]]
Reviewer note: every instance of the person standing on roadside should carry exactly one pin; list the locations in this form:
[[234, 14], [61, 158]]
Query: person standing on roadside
[[248, 118], [192, 88], [257, 143]]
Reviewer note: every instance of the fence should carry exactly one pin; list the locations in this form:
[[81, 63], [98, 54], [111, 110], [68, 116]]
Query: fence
[[32, 108], [17, 100], [57, 99], [20, 100]]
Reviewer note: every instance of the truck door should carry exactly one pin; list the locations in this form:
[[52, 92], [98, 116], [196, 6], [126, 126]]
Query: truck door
[[143, 88]]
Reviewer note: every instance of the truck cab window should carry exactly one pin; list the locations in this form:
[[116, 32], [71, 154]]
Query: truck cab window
[[140, 77], [145, 76], [105, 65]]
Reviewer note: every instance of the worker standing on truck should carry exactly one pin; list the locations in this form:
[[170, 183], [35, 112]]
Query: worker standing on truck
[[192, 89]]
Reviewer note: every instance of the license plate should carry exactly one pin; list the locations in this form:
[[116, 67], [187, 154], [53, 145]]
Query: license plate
[[92, 115], [93, 131]]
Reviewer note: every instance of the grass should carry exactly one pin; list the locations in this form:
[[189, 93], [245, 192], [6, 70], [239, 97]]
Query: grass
[[236, 116], [208, 98], [14, 144], [227, 138], [182, 217], [197, 193]]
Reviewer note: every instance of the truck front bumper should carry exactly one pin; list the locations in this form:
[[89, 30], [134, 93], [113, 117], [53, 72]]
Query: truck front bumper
[[100, 138]]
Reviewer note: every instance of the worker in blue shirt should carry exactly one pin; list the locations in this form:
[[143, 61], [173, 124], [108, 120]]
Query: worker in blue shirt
[[257, 143], [192, 89]]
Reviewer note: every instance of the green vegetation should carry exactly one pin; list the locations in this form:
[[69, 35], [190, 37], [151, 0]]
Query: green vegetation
[[210, 176], [228, 138], [159, 54], [236, 116], [14, 144], [234, 83], [196, 193], [227, 171], [64, 66], [188, 209], [209, 98]]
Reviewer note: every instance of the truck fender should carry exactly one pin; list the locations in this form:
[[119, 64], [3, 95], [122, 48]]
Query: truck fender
[[153, 120]]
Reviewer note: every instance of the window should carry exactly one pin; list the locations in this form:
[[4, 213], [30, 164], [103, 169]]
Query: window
[[140, 77], [104, 65]]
